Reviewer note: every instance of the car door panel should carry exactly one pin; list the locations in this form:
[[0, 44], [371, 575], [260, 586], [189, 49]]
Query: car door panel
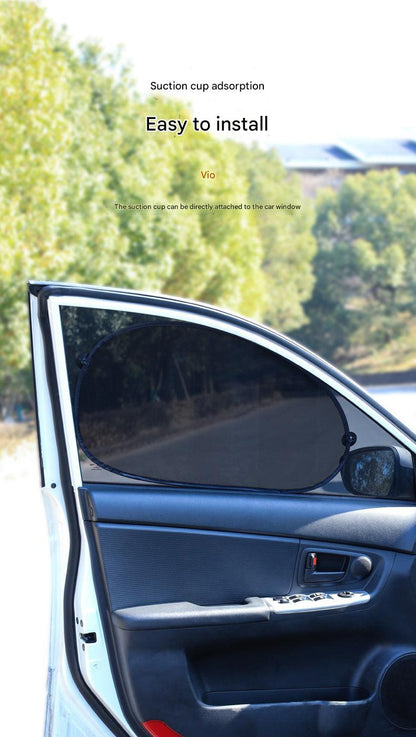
[[228, 669], [185, 573], [171, 564], [374, 522]]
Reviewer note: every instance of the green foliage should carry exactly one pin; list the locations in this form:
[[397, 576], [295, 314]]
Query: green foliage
[[286, 237], [365, 266], [52, 220], [74, 143]]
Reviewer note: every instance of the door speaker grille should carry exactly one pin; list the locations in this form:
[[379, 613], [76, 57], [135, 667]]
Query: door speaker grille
[[397, 692]]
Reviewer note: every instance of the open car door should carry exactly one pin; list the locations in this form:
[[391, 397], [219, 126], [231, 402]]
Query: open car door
[[233, 528]]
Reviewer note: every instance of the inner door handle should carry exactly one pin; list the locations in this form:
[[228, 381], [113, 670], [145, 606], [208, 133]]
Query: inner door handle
[[321, 567]]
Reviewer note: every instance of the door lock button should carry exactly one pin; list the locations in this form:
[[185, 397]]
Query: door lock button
[[346, 594]]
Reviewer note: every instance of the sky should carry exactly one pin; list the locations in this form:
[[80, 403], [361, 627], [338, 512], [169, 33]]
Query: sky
[[332, 70]]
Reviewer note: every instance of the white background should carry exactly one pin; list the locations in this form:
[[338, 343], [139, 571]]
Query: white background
[[332, 69]]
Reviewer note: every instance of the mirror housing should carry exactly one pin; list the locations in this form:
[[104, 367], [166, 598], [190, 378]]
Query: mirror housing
[[380, 471]]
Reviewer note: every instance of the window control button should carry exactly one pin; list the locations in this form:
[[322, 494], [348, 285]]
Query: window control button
[[316, 602]]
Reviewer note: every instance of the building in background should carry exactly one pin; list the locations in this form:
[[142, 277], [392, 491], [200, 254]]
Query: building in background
[[327, 165]]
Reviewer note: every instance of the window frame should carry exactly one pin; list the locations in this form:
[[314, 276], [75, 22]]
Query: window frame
[[194, 313]]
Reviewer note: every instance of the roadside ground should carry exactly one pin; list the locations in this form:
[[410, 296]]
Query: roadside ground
[[24, 554]]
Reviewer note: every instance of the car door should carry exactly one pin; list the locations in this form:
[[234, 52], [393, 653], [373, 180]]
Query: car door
[[233, 527]]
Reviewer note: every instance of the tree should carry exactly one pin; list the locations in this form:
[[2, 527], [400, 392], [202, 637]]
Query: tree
[[365, 265], [74, 144], [286, 237], [34, 136]]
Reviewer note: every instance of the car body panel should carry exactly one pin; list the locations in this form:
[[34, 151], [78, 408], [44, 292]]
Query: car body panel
[[163, 618]]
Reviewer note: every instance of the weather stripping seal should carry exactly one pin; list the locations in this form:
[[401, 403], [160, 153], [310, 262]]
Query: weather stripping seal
[[75, 539]]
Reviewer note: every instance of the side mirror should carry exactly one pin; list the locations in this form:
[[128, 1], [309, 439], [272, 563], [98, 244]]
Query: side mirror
[[380, 472]]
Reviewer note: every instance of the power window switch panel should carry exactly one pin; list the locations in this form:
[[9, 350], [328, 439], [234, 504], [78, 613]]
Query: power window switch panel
[[316, 602]]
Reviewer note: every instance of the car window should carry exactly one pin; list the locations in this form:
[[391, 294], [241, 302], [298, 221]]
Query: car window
[[160, 400]]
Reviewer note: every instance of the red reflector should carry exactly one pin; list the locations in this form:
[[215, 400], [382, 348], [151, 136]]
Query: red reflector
[[160, 729]]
